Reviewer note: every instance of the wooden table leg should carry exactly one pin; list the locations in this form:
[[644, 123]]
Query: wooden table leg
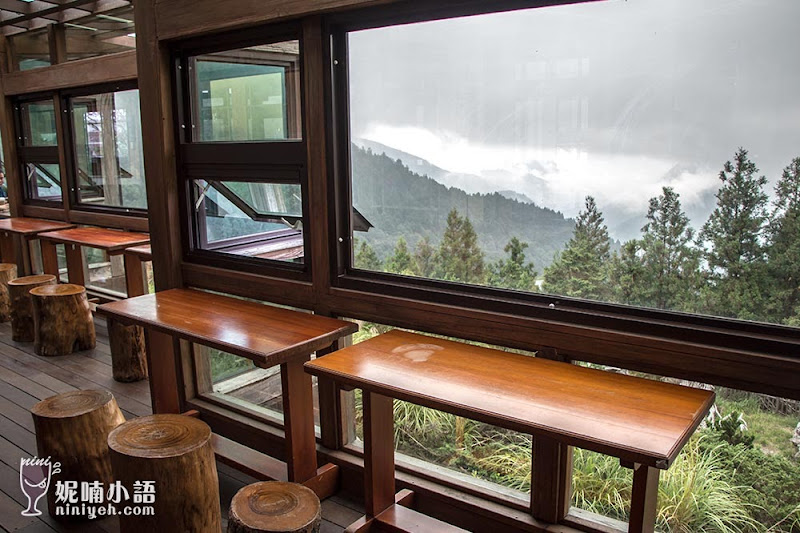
[[75, 264], [298, 419], [379, 486], [644, 498], [8, 248], [49, 258], [551, 482], [162, 359], [134, 277]]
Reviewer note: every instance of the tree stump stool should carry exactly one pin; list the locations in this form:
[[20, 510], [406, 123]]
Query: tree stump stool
[[62, 320], [128, 360], [8, 271], [72, 428], [275, 506], [19, 292], [175, 452]]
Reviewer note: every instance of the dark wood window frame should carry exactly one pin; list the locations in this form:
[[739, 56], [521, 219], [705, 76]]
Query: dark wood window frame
[[69, 144], [28, 154], [269, 161]]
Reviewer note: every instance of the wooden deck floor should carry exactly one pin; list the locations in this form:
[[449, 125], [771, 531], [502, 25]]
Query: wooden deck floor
[[26, 378]]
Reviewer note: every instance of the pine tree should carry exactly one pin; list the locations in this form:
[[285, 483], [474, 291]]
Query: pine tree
[[424, 256], [580, 269], [626, 275], [670, 262], [732, 238], [366, 258], [513, 273], [400, 262], [784, 247], [459, 257]]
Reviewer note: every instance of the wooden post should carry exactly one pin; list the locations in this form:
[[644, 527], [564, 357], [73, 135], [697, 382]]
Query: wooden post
[[62, 320], [275, 507], [49, 258], [379, 486], [75, 264], [298, 419], [19, 292], [175, 452], [72, 428], [551, 480], [134, 277], [162, 353], [644, 499], [8, 272]]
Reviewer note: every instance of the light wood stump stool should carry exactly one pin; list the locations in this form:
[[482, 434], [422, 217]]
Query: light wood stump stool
[[175, 452], [73, 429], [62, 320], [128, 359], [8, 271], [19, 292], [275, 507]]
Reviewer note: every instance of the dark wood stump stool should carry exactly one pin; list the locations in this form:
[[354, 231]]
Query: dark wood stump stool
[[72, 428], [175, 452], [19, 292], [62, 320], [128, 360], [275, 507], [8, 271]]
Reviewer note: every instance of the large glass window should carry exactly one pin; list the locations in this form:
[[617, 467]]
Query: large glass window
[[635, 153], [30, 50], [242, 150], [108, 162], [38, 123]]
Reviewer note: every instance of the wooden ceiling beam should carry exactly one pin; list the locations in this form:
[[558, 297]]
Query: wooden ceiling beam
[[8, 27], [42, 13]]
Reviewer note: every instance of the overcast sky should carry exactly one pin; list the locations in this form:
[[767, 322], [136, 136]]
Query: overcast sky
[[611, 98]]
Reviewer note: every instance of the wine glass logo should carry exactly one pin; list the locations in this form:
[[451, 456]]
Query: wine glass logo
[[34, 480]]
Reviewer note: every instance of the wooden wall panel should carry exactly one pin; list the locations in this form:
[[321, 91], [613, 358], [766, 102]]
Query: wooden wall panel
[[91, 71], [182, 18]]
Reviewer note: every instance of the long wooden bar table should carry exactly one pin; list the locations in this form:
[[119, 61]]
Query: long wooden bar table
[[265, 334], [645, 423], [111, 241], [16, 232]]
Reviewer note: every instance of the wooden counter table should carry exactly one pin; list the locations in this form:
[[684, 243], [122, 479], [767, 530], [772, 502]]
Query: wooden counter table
[[17, 232], [111, 241], [265, 334], [644, 423]]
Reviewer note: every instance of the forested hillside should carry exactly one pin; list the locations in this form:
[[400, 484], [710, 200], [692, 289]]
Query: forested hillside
[[400, 203]]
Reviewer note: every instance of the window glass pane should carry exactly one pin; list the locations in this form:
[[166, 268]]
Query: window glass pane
[[38, 123], [31, 49], [43, 181], [109, 164], [260, 220], [250, 94], [100, 35], [525, 158]]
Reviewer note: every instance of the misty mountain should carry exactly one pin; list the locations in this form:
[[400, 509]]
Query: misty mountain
[[402, 203]]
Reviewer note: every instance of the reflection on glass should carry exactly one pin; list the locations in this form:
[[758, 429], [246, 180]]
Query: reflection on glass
[[38, 123], [108, 149], [43, 181], [250, 94], [572, 150], [30, 49], [101, 34], [260, 220]]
